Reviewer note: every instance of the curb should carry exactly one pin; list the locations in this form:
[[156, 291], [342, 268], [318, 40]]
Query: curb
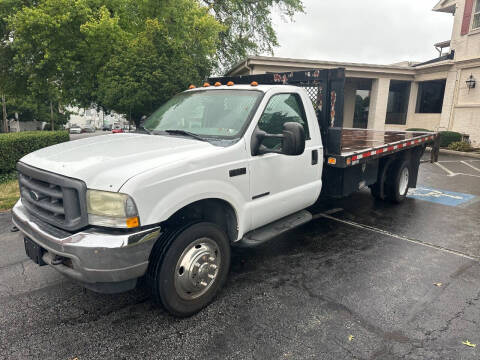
[[459, 153]]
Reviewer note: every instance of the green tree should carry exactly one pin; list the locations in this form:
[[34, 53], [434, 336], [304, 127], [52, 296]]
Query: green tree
[[161, 60], [11, 84], [130, 55], [127, 56], [248, 27], [47, 40]]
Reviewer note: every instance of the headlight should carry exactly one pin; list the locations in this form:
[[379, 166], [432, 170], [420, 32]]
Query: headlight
[[111, 209]]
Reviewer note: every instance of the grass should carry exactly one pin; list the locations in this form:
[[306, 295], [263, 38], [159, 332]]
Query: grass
[[9, 192]]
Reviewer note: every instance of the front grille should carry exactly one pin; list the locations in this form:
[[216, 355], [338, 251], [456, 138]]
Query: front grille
[[55, 199]]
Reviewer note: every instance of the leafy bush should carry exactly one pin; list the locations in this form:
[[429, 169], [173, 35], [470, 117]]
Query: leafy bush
[[448, 137], [460, 146], [13, 146], [7, 177], [418, 129]]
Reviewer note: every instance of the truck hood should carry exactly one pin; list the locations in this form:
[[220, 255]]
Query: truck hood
[[107, 162]]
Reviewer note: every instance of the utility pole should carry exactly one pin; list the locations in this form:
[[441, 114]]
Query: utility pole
[[51, 115], [4, 106]]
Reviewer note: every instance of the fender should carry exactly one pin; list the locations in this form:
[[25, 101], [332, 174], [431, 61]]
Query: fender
[[186, 194]]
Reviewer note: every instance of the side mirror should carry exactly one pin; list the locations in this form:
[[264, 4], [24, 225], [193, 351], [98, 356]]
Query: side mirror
[[142, 121], [292, 137], [293, 141], [140, 128]]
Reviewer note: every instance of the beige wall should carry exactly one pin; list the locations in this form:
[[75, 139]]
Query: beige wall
[[468, 96], [466, 46], [467, 120], [466, 104]]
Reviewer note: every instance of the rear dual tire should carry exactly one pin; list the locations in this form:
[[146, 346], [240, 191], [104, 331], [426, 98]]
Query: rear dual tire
[[398, 181], [395, 184]]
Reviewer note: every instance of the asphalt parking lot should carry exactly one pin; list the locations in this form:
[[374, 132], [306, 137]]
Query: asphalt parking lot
[[364, 280]]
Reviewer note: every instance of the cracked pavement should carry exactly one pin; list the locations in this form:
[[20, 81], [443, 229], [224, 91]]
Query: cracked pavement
[[300, 296]]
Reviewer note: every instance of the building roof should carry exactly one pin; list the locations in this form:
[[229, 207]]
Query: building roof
[[405, 69], [442, 44], [447, 6]]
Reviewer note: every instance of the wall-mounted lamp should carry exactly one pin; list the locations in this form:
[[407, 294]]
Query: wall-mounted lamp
[[471, 82]]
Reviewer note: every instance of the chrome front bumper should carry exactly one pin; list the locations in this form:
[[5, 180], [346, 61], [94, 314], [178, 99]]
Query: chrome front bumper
[[104, 260]]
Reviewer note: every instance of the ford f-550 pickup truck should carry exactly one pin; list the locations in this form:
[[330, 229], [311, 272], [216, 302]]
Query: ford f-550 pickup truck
[[236, 161]]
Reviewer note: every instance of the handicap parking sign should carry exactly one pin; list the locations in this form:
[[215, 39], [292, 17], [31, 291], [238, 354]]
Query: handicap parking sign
[[443, 197]]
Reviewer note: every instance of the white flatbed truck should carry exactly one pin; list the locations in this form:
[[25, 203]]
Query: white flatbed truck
[[234, 162]]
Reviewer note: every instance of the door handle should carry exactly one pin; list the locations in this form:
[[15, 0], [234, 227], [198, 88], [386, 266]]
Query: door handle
[[314, 157]]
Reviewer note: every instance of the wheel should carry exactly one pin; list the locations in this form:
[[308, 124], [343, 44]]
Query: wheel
[[192, 269], [398, 180]]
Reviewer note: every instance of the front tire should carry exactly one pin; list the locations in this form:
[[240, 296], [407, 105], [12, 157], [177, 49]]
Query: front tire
[[192, 269]]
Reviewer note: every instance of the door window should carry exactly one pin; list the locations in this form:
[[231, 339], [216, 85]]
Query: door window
[[280, 109]]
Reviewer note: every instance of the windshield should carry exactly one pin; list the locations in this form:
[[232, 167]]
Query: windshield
[[212, 113]]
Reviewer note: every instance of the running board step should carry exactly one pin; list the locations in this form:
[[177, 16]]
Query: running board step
[[267, 232]]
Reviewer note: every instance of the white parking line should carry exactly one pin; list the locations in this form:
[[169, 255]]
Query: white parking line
[[473, 167], [400, 237], [455, 161], [450, 173]]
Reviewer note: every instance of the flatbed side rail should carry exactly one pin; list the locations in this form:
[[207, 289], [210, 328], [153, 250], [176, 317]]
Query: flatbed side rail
[[364, 155]]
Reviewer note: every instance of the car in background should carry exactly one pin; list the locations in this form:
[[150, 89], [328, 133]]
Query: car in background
[[75, 130], [107, 128], [88, 129], [117, 130]]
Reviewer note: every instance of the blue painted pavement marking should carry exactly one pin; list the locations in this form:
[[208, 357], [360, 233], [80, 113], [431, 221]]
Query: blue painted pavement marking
[[443, 197]]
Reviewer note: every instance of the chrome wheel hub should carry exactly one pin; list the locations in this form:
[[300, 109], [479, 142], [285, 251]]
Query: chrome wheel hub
[[197, 268], [403, 183]]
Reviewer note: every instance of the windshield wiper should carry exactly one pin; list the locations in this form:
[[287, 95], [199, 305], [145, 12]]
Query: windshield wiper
[[187, 133], [141, 129]]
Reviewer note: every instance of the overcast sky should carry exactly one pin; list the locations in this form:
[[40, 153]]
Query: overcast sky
[[367, 31]]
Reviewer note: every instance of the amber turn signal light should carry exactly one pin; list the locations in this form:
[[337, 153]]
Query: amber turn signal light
[[132, 222]]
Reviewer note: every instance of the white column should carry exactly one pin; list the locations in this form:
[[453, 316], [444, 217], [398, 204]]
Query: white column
[[412, 105], [349, 104], [378, 103], [451, 89]]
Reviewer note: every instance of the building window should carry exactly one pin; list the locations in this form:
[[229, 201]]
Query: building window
[[397, 105], [362, 104], [430, 97], [476, 15]]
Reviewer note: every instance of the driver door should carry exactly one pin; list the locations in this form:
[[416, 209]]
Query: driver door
[[281, 185]]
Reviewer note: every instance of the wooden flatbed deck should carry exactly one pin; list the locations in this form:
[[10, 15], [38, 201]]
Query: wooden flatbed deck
[[358, 140], [361, 145]]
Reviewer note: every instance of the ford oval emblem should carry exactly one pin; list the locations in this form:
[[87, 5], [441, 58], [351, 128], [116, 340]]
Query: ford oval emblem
[[35, 196]]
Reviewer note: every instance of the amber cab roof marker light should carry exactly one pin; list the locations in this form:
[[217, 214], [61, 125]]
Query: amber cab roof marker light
[[218, 84], [230, 83], [206, 84], [191, 87], [254, 83]]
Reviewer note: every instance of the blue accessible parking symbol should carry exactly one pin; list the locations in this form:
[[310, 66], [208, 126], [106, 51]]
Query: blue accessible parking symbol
[[443, 197]]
